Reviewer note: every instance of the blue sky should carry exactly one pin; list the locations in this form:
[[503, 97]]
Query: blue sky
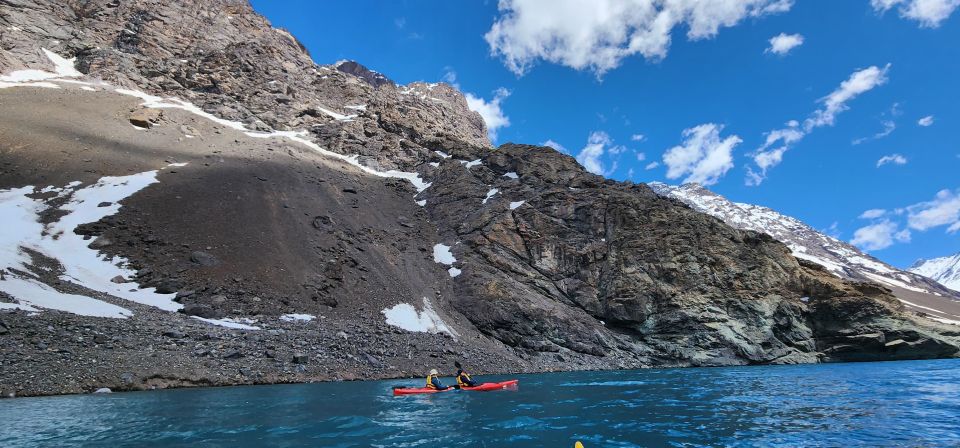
[[865, 75]]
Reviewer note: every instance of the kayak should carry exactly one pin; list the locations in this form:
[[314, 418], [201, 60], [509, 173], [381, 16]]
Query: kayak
[[485, 387]]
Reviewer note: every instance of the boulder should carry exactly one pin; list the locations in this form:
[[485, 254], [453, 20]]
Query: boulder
[[174, 334], [203, 258], [145, 118], [200, 310]]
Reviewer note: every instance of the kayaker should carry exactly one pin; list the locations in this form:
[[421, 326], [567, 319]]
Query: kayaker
[[463, 378], [433, 382]]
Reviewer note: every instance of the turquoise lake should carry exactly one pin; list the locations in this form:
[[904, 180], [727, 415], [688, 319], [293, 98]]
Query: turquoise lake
[[911, 403]]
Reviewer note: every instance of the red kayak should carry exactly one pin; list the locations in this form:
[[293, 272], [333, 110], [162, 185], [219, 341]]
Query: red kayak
[[485, 387]]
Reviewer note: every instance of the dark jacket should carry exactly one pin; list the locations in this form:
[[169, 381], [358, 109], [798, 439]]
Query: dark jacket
[[463, 379]]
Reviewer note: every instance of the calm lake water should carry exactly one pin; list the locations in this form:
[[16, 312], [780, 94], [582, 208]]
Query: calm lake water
[[914, 403]]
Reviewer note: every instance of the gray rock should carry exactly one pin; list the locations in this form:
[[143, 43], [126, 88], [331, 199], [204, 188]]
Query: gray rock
[[100, 242], [199, 310], [168, 287], [204, 259], [174, 334], [370, 359], [103, 390], [300, 358]]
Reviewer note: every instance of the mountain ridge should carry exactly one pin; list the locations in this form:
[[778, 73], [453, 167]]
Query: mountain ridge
[[945, 270], [364, 230], [806, 242]]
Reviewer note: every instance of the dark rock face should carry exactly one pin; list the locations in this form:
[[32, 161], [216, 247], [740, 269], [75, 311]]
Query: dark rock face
[[603, 268], [557, 268], [373, 78]]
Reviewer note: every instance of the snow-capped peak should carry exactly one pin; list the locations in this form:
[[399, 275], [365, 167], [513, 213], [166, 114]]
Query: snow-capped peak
[[805, 242], [945, 270]]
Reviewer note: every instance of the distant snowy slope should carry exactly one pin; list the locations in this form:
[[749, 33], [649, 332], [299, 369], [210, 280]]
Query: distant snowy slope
[[806, 242], [945, 270]]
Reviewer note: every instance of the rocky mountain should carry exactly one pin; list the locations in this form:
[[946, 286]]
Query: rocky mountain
[[195, 202], [945, 270], [917, 291]]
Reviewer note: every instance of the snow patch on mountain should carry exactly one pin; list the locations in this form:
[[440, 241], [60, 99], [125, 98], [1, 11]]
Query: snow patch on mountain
[[226, 322], [490, 194], [297, 317], [945, 270], [406, 317], [24, 234], [63, 68], [442, 254]]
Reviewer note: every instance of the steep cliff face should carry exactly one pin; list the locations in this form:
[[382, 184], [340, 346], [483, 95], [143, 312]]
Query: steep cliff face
[[557, 258], [225, 58], [379, 210], [919, 293]]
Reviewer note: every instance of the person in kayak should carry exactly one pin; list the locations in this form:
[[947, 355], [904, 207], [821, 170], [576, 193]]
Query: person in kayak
[[433, 382], [463, 378]]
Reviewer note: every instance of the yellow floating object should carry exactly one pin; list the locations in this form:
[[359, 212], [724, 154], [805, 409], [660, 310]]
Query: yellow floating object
[[578, 445]]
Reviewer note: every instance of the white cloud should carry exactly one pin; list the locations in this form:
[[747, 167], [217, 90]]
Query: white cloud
[[895, 159], [873, 213], [591, 155], [779, 141], [491, 111], [598, 34], [638, 137], [770, 154], [641, 157], [858, 83], [943, 210], [617, 149], [833, 230], [782, 43], [703, 156], [888, 127], [930, 13], [652, 165], [555, 145], [450, 77], [879, 236], [925, 121]]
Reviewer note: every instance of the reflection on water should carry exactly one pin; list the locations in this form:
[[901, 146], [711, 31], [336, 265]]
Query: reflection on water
[[871, 404]]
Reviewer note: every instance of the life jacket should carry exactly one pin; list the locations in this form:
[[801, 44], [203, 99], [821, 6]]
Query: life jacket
[[430, 379], [463, 378]]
